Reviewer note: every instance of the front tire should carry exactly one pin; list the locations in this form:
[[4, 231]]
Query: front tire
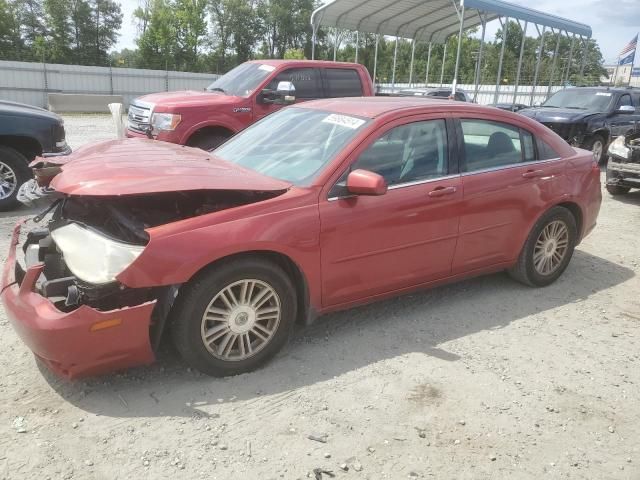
[[616, 190], [208, 142], [235, 317], [597, 145], [548, 249], [14, 171]]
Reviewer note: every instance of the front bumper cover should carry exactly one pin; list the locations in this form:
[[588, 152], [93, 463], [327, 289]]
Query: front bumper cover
[[65, 341], [623, 174]]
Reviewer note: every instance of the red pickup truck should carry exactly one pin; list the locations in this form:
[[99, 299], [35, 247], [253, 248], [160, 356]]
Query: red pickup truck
[[241, 97]]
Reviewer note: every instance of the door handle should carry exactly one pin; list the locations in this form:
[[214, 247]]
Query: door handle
[[533, 174], [442, 191]]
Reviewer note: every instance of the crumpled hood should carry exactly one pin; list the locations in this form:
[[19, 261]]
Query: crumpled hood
[[141, 166], [555, 115], [189, 98]]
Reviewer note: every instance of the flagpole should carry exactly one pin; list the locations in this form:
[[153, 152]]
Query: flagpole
[[633, 63]]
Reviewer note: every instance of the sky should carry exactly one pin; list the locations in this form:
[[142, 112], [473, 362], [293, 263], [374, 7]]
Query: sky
[[614, 22]]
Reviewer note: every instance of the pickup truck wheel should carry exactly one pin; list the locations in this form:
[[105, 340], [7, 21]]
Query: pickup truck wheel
[[548, 249], [617, 190], [208, 142], [597, 146], [234, 318], [14, 171]]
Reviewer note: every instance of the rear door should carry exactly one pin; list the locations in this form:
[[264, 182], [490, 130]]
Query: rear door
[[507, 184], [372, 245], [308, 85]]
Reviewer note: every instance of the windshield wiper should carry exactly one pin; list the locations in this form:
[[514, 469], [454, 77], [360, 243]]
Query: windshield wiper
[[217, 89]]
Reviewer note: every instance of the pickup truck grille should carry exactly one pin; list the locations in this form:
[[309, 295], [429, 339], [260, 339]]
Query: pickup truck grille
[[139, 117]]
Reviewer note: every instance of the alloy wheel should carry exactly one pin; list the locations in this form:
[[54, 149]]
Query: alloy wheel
[[597, 150], [8, 181], [551, 247], [241, 320]]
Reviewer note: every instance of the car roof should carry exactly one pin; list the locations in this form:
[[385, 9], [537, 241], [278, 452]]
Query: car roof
[[372, 107], [318, 63]]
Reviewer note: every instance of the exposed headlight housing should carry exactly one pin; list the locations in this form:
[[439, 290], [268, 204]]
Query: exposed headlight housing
[[92, 257], [618, 148], [165, 121]]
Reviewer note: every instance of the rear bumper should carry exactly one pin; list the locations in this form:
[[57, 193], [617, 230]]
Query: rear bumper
[[65, 341]]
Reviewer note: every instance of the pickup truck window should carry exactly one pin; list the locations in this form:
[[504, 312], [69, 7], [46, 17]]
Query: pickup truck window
[[306, 81], [242, 80], [342, 82], [624, 100], [293, 144], [591, 100]]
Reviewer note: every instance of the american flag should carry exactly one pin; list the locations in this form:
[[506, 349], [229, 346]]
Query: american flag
[[629, 46]]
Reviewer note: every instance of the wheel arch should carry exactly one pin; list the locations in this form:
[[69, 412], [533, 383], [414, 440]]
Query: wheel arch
[[209, 130], [576, 211], [27, 146], [291, 268]]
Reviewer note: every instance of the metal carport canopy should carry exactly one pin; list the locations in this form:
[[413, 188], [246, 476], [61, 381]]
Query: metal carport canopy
[[430, 20]]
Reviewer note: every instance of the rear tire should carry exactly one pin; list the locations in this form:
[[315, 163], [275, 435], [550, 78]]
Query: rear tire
[[548, 249], [222, 325], [14, 171]]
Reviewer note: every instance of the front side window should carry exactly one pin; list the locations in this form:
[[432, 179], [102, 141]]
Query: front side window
[[624, 100], [408, 153], [343, 82], [293, 144], [489, 144], [306, 81]]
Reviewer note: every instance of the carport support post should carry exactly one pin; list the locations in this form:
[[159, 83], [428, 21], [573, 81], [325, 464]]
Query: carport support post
[[357, 44], [313, 41], [524, 37], [479, 63], [393, 74], [335, 43], [553, 64], [455, 70], [537, 71], [375, 60], [426, 76], [413, 52], [444, 58], [505, 27], [584, 55], [566, 77]]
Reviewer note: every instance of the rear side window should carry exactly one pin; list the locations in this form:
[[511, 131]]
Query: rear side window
[[545, 152], [460, 97], [489, 144], [343, 82], [306, 81]]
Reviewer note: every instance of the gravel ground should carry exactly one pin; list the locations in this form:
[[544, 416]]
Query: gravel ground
[[483, 379]]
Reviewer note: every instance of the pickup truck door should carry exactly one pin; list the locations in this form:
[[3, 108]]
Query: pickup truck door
[[621, 123], [308, 87]]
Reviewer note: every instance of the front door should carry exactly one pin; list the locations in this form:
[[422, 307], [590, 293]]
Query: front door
[[372, 245], [621, 123], [308, 85]]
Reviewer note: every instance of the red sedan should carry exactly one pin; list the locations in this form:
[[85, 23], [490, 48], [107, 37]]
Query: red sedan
[[316, 208]]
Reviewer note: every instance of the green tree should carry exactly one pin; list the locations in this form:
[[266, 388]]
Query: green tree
[[58, 30], [11, 44]]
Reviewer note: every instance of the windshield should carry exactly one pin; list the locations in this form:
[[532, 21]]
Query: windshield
[[242, 80], [580, 100], [294, 144]]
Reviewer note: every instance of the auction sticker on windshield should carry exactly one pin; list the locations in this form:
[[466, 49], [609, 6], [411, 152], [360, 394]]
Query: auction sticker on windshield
[[344, 120], [603, 94], [267, 68]]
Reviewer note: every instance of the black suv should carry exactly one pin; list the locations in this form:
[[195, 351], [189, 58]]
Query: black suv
[[25, 132], [589, 117]]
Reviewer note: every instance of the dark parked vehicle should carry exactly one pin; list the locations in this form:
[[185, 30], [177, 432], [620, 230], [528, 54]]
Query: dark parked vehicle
[[25, 132], [510, 107], [589, 117], [623, 168], [460, 95]]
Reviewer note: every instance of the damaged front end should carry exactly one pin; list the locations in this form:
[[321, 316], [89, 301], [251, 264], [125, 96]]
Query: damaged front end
[[65, 288], [623, 168]]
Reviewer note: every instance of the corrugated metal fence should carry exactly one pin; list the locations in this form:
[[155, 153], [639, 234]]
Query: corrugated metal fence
[[31, 82]]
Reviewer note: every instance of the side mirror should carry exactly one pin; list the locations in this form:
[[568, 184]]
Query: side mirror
[[285, 94], [364, 182], [626, 109]]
